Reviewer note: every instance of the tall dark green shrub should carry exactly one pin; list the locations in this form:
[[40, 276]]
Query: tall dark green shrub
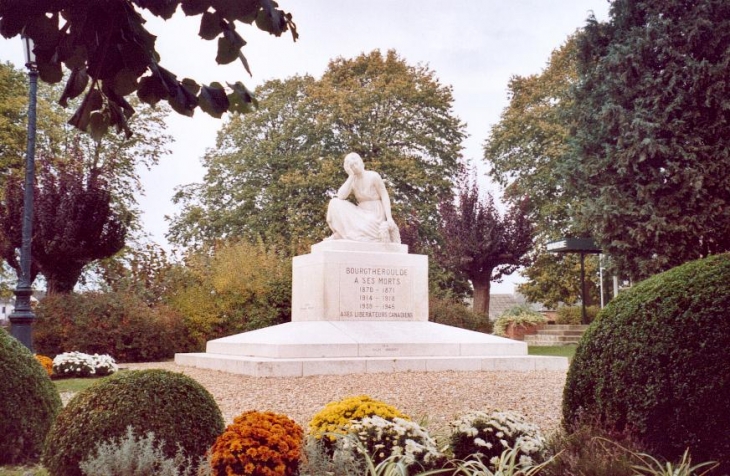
[[117, 324], [173, 406], [29, 403], [655, 363]]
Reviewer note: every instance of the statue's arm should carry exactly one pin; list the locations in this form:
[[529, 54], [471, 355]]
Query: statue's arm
[[345, 189], [384, 197]]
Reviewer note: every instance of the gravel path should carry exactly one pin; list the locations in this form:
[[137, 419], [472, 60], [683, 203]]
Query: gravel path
[[433, 397]]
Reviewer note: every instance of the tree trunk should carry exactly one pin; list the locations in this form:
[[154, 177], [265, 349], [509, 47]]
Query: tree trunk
[[62, 282], [481, 295]]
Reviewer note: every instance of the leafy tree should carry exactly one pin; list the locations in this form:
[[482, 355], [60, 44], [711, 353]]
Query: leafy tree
[[13, 119], [272, 173], [524, 148], [524, 151], [554, 279], [111, 55], [106, 177], [482, 244], [652, 133], [232, 287], [75, 222], [144, 270], [13, 100]]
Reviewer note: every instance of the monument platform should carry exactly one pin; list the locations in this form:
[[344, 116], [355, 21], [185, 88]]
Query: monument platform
[[362, 308]]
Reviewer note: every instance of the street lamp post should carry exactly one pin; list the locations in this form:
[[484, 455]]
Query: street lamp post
[[21, 319], [582, 246]]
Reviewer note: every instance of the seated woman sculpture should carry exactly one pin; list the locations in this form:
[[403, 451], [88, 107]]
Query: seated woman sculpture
[[369, 220]]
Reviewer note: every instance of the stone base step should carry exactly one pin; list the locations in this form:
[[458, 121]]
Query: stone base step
[[299, 367], [297, 349], [567, 327], [551, 332], [556, 334]]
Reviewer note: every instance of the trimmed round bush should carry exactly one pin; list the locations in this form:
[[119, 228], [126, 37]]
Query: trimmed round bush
[[655, 364], [29, 403], [258, 443], [173, 406]]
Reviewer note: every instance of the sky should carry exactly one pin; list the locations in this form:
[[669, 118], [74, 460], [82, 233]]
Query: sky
[[474, 46]]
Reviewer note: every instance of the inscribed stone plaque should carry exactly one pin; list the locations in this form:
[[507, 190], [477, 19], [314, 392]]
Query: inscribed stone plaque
[[376, 292]]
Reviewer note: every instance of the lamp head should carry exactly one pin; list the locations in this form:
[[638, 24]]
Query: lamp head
[[28, 50]]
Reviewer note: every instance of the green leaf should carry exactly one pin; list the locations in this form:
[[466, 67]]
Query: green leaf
[[44, 31], [125, 82], [92, 102], [270, 19], [191, 85], [213, 100], [245, 63], [243, 10], [227, 50], [151, 90], [50, 71], [76, 84], [74, 57], [241, 99], [195, 7], [12, 23], [264, 22], [210, 25], [118, 119], [183, 101], [99, 125], [160, 8]]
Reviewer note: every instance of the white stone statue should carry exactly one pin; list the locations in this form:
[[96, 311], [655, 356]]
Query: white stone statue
[[370, 220]]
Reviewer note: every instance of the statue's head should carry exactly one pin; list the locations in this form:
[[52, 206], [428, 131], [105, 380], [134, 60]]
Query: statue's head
[[351, 159]]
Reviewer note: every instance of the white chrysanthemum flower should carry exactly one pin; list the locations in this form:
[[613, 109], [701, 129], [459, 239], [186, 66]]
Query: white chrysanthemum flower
[[526, 460], [480, 442]]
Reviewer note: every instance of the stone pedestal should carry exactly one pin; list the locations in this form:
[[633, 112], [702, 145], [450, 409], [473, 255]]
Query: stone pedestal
[[351, 281], [362, 308]]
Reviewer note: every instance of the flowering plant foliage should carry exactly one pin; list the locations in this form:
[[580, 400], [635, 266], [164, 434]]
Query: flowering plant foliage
[[337, 417], [396, 439], [488, 435], [258, 444], [46, 362], [78, 364], [104, 364]]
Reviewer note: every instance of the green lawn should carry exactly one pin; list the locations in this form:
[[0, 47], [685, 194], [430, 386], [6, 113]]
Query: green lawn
[[22, 471], [558, 350], [74, 385]]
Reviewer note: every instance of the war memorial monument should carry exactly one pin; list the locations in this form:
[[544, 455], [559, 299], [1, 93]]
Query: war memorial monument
[[360, 305]]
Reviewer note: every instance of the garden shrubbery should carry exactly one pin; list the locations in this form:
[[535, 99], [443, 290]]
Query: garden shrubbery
[[136, 455], [574, 314], [487, 435], [518, 316], [337, 417], [382, 440], [454, 313], [24, 383], [174, 407], [80, 365], [655, 362], [258, 443], [109, 323]]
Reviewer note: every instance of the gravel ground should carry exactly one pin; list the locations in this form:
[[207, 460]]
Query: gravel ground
[[431, 397]]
